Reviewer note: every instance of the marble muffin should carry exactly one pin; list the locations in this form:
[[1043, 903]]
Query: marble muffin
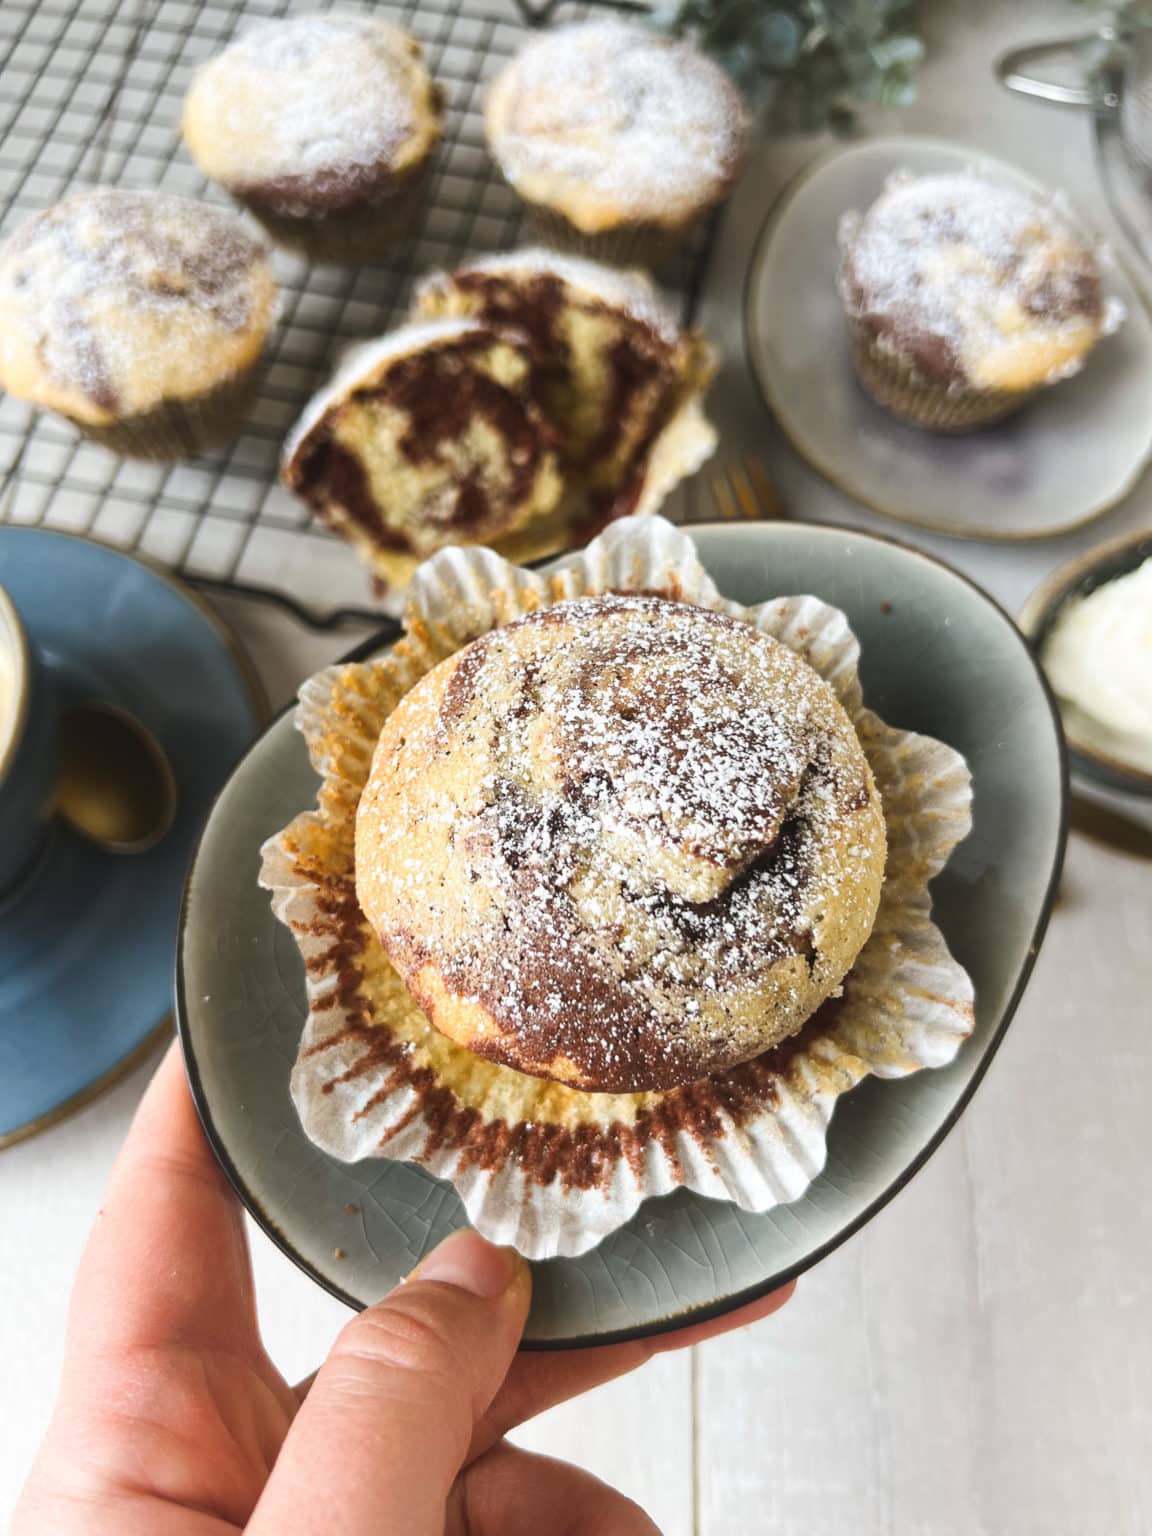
[[138, 316], [323, 127], [613, 366], [966, 296], [431, 436], [621, 843], [617, 139], [596, 413]]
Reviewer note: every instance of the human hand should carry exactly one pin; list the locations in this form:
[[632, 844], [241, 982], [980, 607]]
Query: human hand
[[172, 1420]]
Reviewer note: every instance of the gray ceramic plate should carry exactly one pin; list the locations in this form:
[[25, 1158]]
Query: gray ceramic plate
[[1072, 453], [939, 657]]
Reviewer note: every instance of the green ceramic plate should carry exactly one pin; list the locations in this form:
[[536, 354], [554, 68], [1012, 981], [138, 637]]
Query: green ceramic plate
[[939, 657]]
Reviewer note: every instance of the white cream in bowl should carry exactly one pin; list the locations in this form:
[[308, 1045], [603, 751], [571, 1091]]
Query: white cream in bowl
[[1098, 656]]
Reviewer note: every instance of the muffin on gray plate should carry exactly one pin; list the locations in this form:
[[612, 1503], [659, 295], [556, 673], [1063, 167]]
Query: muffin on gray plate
[[966, 296]]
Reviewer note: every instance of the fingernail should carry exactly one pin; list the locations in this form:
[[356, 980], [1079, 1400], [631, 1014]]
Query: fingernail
[[470, 1262]]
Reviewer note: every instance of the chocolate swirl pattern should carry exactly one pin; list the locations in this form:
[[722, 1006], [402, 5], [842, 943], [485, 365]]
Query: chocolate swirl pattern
[[622, 843], [613, 367], [430, 434], [113, 302]]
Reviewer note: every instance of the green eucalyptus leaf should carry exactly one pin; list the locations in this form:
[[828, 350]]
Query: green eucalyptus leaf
[[665, 18], [897, 52], [775, 37], [812, 59]]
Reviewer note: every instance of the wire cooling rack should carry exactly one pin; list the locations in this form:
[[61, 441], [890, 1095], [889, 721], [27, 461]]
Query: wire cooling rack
[[91, 93]]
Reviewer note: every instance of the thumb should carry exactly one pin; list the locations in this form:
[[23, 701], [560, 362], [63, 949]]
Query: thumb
[[386, 1426]]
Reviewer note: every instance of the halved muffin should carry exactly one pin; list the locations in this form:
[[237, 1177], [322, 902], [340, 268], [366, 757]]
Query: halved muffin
[[614, 369], [431, 436]]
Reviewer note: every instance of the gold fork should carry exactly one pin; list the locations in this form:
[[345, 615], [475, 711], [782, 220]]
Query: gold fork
[[744, 493]]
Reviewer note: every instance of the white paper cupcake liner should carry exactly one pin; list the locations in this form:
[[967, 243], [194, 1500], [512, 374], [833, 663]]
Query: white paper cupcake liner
[[544, 1168]]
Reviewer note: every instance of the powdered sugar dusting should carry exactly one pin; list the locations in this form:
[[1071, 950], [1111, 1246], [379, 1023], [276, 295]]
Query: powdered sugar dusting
[[969, 262], [310, 96], [646, 123], [665, 810], [110, 290]]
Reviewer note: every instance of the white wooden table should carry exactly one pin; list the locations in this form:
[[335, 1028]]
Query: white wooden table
[[978, 1361]]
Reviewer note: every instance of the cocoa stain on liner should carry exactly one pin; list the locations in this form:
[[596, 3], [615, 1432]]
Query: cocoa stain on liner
[[579, 1157]]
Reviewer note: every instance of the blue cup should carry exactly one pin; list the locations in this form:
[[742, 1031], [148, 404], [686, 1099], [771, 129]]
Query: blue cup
[[28, 750]]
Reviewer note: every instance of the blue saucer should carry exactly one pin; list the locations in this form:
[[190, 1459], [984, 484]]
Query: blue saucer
[[87, 945]]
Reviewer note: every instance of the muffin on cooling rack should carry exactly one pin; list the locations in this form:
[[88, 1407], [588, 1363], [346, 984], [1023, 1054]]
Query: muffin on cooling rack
[[323, 127], [618, 377], [966, 296], [616, 138], [139, 317], [433, 435]]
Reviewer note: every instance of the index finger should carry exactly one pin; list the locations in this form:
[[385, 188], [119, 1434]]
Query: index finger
[[167, 1260]]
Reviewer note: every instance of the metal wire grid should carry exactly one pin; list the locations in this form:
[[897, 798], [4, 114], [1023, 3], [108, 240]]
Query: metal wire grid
[[91, 93]]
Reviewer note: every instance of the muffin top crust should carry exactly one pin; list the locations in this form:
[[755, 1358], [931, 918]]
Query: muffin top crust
[[610, 124], [313, 114], [113, 302], [623, 843], [974, 282]]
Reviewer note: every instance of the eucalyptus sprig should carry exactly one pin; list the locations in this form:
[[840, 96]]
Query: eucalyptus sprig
[[812, 62]]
